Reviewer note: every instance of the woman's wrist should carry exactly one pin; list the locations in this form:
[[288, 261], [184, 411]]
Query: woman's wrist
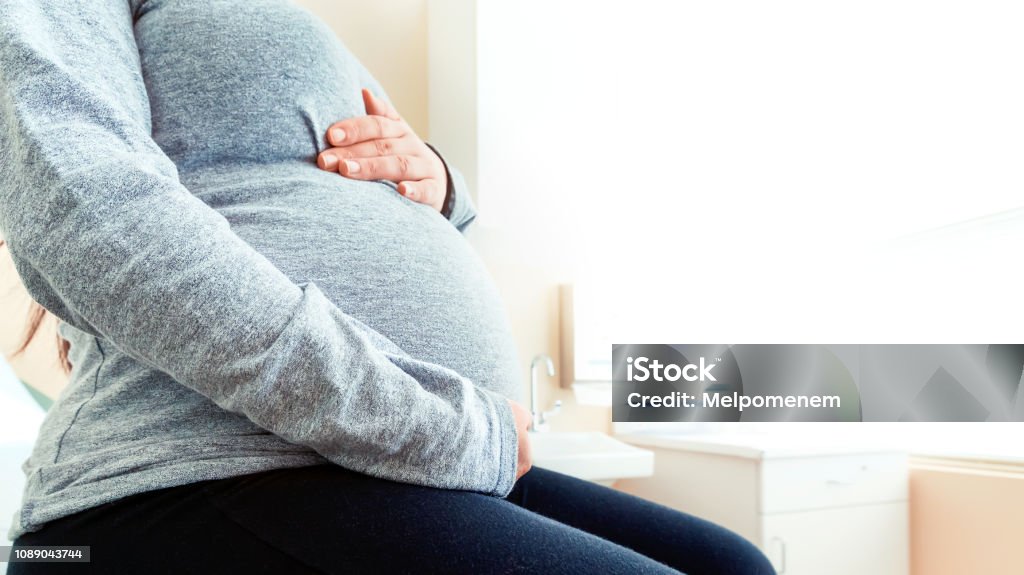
[[449, 195]]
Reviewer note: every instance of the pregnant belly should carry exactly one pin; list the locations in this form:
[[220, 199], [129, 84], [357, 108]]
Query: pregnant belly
[[241, 94], [397, 266]]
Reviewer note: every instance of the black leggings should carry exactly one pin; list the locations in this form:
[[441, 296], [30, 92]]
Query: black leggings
[[325, 519]]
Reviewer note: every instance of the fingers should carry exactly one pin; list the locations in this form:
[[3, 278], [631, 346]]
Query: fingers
[[397, 168], [364, 128], [378, 106], [381, 146], [381, 121], [426, 191], [370, 149]]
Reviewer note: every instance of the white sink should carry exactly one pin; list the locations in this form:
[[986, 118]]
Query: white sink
[[592, 456]]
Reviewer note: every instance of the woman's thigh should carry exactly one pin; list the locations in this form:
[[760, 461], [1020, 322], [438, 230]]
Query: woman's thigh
[[325, 519], [682, 541]]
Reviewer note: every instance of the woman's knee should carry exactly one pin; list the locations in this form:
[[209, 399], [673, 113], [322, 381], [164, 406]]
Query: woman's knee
[[726, 553], [683, 541]]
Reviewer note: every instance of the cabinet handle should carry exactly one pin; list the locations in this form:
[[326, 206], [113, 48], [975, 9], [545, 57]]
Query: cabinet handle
[[782, 547]]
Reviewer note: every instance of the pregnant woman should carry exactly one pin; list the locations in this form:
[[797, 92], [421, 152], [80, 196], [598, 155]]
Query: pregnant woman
[[286, 358]]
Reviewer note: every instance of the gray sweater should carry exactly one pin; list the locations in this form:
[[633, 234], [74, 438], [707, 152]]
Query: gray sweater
[[231, 307]]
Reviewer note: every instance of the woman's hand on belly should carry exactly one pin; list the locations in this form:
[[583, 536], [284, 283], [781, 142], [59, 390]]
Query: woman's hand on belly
[[523, 420], [382, 146]]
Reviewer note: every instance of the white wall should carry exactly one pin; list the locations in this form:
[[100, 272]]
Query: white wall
[[19, 418], [785, 123], [747, 171]]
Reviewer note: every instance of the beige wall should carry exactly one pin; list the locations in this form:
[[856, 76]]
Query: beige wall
[[966, 518], [528, 283]]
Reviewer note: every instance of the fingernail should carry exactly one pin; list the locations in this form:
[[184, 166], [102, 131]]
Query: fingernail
[[337, 136], [410, 192], [353, 167], [329, 162]]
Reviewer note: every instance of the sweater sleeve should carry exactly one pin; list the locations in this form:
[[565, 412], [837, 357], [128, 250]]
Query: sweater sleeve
[[105, 236]]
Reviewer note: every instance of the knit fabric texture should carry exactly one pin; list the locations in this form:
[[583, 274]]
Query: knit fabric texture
[[231, 307]]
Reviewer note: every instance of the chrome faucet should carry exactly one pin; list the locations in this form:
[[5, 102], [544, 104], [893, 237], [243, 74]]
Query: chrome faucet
[[539, 421]]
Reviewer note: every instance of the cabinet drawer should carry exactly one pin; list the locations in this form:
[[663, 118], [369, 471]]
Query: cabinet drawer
[[796, 484], [859, 540]]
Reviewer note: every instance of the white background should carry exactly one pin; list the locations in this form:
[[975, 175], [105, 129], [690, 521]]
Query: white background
[[764, 172]]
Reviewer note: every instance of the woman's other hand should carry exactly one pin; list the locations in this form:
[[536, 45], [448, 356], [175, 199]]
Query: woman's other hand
[[523, 419], [382, 146]]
